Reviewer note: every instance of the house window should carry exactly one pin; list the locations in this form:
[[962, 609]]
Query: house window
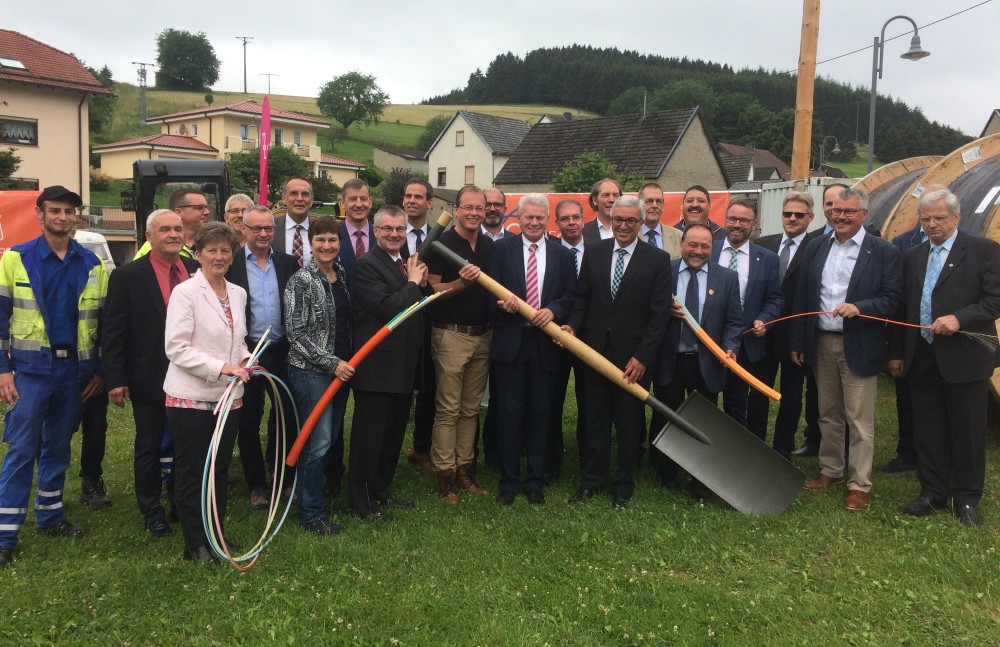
[[470, 174], [459, 138], [18, 131], [323, 173], [277, 137], [442, 176], [194, 130], [244, 131], [297, 137]]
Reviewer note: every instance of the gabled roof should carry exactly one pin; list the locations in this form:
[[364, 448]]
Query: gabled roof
[[501, 134], [159, 141], [247, 107], [44, 65], [405, 153], [993, 115], [339, 161], [642, 144], [762, 159], [737, 168]]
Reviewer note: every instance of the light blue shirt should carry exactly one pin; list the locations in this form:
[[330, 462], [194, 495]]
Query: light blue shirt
[[265, 301], [683, 278], [945, 249]]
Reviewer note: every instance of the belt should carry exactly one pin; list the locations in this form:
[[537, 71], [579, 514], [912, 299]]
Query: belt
[[832, 332], [63, 352], [688, 352], [475, 331]]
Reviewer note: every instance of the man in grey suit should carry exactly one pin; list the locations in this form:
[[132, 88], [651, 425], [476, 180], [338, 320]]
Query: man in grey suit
[[654, 231]]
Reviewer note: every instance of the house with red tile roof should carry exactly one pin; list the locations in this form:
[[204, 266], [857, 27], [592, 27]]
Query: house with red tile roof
[[43, 113]]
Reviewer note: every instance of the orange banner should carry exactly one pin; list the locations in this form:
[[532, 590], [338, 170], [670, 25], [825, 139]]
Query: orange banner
[[18, 220]]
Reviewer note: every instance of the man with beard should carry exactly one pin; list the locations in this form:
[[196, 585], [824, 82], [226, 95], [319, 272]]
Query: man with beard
[[602, 198], [496, 209], [695, 209]]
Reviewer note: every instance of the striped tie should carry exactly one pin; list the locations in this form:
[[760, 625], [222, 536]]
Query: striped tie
[[734, 259], [651, 238], [297, 251], [619, 270], [930, 280], [359, 246], [531, 282], [576, 260]]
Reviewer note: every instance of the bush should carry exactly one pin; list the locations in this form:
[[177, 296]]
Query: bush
[[100, 181], [324, 189]]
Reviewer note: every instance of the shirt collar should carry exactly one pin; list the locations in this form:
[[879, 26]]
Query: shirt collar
[[701, 270], [646, 229], [578, 246], [947, 245], [527, 244], [351, 229], [630, 248], [250, 256], [410, 228], [858, 238], [797, 239], [742, 248]]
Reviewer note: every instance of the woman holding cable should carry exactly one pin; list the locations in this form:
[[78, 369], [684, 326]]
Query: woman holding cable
[[318, 328], [205, 343]]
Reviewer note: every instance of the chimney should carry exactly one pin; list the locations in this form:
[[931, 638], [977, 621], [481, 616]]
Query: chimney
[[568, 116]]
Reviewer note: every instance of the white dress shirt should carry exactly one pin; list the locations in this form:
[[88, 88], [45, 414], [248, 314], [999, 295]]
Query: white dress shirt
[[411, 238], [290, 238], [742, 263], [539, 262], [614, 259], [578, 253], [837, 277]]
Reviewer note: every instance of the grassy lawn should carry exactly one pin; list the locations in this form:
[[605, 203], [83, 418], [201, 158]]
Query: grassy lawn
[[663, 571]]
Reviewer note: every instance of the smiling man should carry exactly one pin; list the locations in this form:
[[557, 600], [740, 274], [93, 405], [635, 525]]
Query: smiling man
[[602, 199], [290, 230], [356, 233], [695, 208]]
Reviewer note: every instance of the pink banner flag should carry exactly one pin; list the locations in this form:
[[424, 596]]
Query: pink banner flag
[[265, 145]]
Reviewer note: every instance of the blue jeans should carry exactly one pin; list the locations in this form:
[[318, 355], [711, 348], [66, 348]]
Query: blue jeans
[[307, 387]]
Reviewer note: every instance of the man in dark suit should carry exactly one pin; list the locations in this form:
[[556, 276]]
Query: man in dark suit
[[796, 216], [384, 285], [356, 233], [540, 272], [621, 310], [950, 285], [695, 209], [263, 273], [847, 274], [602, 198], [135, 363], [712, 294], [291, 231], [760, 296]]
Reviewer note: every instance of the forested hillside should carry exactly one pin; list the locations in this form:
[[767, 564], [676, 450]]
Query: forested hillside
[[742, 106]]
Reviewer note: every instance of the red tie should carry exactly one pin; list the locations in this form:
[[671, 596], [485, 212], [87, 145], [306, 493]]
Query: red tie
[[297, 250], [532, 279], [401, 264], [359, 246]]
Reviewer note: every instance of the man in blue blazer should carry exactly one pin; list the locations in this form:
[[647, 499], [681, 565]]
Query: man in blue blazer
[[539, 271], [847, 274], [712, 294], [760, 296], [356, 233]]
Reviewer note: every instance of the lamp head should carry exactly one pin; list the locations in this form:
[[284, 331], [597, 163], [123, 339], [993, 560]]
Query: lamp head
[[916, 52]]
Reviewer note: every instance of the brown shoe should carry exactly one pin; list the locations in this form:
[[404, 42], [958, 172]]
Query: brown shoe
[[446, 486], [856, 500], [420, 459], [464, 480], [822, 481]]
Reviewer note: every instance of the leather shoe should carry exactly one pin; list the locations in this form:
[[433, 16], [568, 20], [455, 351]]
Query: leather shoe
[[806, 450], [551, 478], [393, 502], [967, 514], [200, 555], [505, 498], [535, 497], [377, 515], [6, 556], [897, 465], [822, 481], [922, 506], [620, 502], [582, 495], [420, 459], [323, 526], [856, 500], [64, 529], [158, 527]]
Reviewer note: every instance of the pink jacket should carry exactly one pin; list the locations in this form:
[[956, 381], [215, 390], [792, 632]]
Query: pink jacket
[[199, 340]]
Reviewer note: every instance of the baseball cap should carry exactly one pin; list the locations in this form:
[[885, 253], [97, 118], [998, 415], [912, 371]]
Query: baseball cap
[[61, 193]]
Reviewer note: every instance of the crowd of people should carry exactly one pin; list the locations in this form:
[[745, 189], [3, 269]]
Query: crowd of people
[[172, 329]]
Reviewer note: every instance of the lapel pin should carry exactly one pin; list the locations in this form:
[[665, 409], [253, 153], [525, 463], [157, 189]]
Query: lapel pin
[[711, 291]]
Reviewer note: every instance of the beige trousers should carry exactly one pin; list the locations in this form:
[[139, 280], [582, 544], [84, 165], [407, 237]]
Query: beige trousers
[[462, 365]]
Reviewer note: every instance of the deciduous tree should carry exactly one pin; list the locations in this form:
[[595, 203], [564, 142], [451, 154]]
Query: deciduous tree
[[101, 107], [185, 61], [282, 163], [353, 97], [586, 168], [432, 129]]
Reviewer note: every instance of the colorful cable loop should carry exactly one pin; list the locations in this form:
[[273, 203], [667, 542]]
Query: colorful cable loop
[[209, 503]]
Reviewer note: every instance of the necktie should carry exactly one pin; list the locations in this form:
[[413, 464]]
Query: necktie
[[419, 233], [297, 251], [531, 278], [688, 338], [175, 277], [651, 238], [734, 259], [359, 245], [576, 260], [401, 264], [930, 279], [619, 270], [783, 258]]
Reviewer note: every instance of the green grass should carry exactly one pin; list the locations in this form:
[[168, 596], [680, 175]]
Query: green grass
[[663, 571]]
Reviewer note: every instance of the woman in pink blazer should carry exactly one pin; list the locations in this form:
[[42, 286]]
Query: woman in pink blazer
[[205, 342]]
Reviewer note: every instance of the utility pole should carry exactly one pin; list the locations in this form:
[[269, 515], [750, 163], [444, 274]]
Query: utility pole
[[802, 138], [245, 39], [142, 90], [268, 80]]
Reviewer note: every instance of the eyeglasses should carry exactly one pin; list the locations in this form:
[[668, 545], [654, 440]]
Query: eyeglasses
[[470, 207], [267, 229], [199, 207], [936, 220], [386, 229], [618, 221], [845, 212], [495, 205], [738, 221], [793, 214], [570, 218]]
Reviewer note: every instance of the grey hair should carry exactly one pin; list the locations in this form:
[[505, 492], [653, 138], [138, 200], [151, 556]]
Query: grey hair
[[929, 198], [855, 194], [256, 208], [152, 217], [799, 196], [390, 210], [242, 197], [536, 199], [628, 201]]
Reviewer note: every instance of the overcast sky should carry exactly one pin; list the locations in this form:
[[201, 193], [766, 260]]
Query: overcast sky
[[420, 49]]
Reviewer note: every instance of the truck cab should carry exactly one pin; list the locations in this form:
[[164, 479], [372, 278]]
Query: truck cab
[[154, 180]]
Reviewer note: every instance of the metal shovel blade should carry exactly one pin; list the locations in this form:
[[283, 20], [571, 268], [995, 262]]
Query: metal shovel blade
[[742, 470]]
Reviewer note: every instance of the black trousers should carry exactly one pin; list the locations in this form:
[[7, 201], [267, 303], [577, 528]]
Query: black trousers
[[93, 439], [488, 432], [424, 407], [192, 431], [377, 432], [736, 396], [150, 426], [950, 426], [687, 379], [555, 449], [606, 402], [275, 361], [906, 444]]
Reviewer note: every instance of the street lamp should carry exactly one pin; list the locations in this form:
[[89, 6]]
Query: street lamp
[[915, 53], [835, 150]]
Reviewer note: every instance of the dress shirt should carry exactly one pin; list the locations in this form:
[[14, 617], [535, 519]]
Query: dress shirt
[[945, 249], [161, 268], [605, 232], [614, 259], [683, 276], [265, 300], [659, 234], [793, 249], [290, 237], [579, 253], [411, 237], [539, 263], [352, 240], [837, 277], [742, 263], [497, 236]]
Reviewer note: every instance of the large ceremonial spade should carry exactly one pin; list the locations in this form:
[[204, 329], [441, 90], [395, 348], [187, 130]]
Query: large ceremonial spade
[[707, 443]]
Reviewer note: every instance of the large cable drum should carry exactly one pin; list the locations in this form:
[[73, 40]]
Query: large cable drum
[[886, 185]]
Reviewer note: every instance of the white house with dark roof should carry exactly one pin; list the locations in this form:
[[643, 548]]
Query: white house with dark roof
[[472, 149]]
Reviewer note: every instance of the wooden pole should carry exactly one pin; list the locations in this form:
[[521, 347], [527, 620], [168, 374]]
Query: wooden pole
[[802, 140]]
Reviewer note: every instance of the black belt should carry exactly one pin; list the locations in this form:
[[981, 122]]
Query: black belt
[[63, 352], [832, 332], [475, 331]]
